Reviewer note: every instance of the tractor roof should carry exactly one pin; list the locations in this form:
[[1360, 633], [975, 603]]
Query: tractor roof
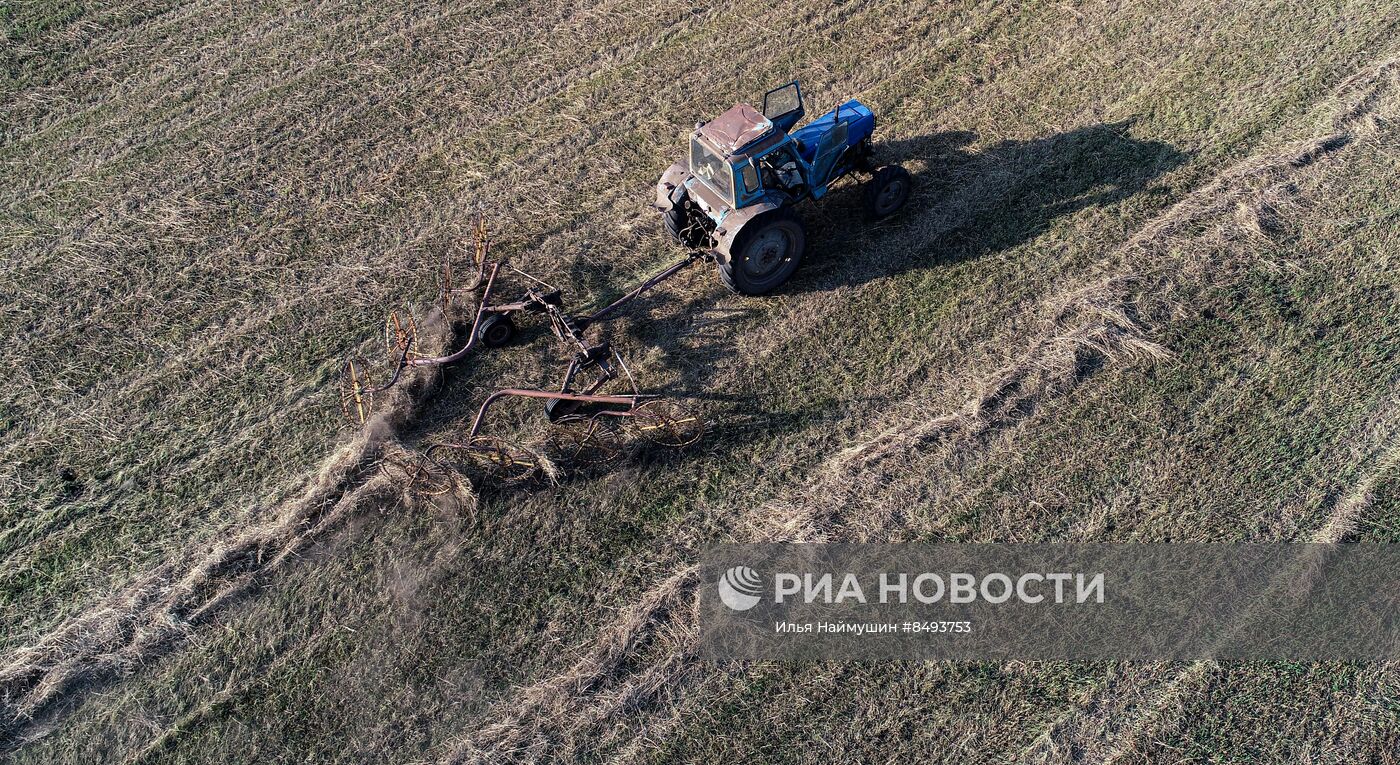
[[736, 128]]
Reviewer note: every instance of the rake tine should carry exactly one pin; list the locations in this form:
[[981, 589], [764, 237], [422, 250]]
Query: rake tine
[[417, 474], [666, 423], [447, 288]]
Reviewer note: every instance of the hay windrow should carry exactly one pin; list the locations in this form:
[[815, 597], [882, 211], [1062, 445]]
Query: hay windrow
[[165, 605]]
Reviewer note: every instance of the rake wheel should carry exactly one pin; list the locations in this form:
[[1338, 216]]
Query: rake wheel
[[417, 474], [585, 441], [356, 399], [492, 456], [495, 330], [666, 423], [401, 334]]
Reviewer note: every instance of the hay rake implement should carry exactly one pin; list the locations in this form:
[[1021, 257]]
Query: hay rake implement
[[730, 200], [589, 425]]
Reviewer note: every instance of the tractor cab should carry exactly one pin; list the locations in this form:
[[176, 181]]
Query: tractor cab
[[744, 155], [746, 168], [722, 153]]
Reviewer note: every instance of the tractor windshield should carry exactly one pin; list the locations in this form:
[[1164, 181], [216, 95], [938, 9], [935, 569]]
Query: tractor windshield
[[712, 170]]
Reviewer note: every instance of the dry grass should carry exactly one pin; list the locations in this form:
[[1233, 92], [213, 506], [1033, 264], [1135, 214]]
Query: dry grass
[[171, 601], [1123, 296]]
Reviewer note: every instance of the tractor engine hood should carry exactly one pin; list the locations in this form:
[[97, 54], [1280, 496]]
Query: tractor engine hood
[[678, 176]]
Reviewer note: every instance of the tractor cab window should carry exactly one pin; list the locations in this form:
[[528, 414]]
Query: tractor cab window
[[750, 176], [783, 105], [713, 171]]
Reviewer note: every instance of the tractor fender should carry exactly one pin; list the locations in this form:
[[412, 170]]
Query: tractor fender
[[674, 178], [728, 231]]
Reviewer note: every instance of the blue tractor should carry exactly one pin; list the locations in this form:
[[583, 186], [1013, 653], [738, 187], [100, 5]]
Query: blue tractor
[[734, 194]]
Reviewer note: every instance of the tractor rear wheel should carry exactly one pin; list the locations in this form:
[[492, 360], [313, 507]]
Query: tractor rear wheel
[[887, 191], [674, 220], [765, 254]]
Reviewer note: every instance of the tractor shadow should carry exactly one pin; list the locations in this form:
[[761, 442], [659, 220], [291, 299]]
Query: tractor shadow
[[966, 204], [970, 203]]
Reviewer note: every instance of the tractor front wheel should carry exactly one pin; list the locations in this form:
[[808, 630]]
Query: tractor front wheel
[[683, 225], [765, 254], [887, 191]]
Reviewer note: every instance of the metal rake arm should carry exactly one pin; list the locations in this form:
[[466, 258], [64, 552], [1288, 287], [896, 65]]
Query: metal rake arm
[[471, 338], [602, 314], [630, 401]]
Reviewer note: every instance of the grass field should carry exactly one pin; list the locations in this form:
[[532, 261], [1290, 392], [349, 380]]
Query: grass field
[[1146, 290]]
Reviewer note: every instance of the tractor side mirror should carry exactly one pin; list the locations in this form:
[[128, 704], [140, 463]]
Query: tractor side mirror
[[783, 106]]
